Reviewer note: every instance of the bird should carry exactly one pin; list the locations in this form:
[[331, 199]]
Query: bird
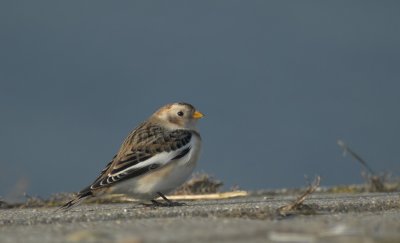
[[156, 157]]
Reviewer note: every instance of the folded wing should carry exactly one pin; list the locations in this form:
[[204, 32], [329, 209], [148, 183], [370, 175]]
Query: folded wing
[[144, 150]]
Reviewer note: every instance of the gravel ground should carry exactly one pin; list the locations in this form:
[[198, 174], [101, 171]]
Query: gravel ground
[[327, 218]]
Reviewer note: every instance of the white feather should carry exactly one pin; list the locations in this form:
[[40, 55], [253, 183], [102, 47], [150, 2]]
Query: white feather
[[162, 159], [147, 185]]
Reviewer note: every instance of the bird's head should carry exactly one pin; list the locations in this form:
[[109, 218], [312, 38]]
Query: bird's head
[[178, 116]]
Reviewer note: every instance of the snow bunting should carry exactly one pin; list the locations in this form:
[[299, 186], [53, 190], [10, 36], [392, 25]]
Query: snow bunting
[[156, 157]]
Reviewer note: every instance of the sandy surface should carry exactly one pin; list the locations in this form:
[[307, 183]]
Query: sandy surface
[[328, 218]]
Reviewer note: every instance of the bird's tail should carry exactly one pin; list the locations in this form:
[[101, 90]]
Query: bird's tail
[[76, 201]]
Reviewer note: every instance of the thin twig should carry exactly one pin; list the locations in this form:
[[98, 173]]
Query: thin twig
[[298, 203], [375, 180], [346, 149]]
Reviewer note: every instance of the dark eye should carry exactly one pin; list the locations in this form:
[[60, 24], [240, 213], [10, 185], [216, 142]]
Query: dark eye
[[180, 113]]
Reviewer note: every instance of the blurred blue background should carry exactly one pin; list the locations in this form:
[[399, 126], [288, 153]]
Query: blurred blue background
[[279, 82]]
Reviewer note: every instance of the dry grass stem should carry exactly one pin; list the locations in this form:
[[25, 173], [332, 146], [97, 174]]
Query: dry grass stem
[[375, 181], [297, 205]]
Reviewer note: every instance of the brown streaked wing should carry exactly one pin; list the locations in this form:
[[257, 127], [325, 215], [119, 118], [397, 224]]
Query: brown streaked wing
[[144, 144]]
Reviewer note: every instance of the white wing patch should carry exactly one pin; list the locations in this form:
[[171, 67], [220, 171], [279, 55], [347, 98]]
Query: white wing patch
[[161, 159]]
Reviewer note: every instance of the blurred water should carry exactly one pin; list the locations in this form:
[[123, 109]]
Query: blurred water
[[279, 83]]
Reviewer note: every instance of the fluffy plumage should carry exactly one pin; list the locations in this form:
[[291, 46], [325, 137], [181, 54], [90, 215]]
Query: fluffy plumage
[[155, 158]]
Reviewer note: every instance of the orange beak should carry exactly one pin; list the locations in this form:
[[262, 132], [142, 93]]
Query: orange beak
[[197, 115]]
